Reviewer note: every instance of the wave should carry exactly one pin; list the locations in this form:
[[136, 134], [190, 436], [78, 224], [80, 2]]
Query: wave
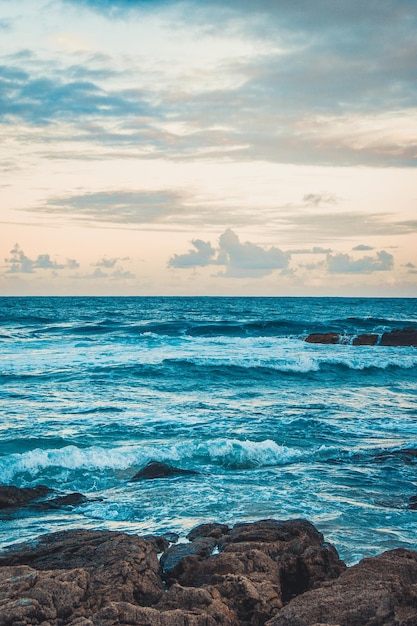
[[226, 453]]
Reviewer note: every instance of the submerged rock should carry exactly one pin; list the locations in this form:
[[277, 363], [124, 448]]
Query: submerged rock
[[401, 337], [156, 469], [11, 497]]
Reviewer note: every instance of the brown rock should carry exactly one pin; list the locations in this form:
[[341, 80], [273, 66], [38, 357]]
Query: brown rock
[[380, 591], [261, 566], [14, 496], [120, 567], [323, 338], [208, 530], [402, 337], [365, 340]]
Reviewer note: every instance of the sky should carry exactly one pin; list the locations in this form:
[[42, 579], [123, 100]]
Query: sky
[[159, 147]]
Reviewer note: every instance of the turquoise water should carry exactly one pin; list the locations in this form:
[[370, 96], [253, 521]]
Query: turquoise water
[[93, 388]]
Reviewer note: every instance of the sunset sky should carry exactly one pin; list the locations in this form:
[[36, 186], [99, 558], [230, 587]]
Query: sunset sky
[[218, 147]]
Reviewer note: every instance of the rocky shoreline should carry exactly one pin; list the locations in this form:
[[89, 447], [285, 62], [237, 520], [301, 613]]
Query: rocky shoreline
[[394, 338], [270, 572]]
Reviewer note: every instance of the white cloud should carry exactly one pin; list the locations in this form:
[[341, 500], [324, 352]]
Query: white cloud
[[19, 263], [345, 264], [239, 259]]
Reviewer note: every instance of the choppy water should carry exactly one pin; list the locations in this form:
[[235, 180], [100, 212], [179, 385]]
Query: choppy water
[[93, 388]]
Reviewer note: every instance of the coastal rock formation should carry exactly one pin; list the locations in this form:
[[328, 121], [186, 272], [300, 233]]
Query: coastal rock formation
[[156, 469], [380, 591], [11, 497], [39, 498], [368, 339], [402, 337], [399, 337], [323, 338], [279, 573]]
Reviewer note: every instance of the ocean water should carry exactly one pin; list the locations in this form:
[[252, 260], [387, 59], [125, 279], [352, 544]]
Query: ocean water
[[91, 389]]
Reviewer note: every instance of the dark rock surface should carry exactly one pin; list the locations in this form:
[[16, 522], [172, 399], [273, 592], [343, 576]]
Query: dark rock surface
[[402, 337], [323, 338], [11, 497], [369, 339], [279, 573], [156, 469], [380, 591]]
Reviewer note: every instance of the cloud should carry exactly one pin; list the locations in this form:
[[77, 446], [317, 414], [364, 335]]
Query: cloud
[[132, 207], [202, 256], [241, 260], [409, 265], [316, 199], [42, 100], [314, 250], [363, 247], [109, 263], [19, 263], [344, 264]]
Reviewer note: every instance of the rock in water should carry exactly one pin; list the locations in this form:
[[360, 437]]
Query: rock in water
[[369, 339], [155, 469], [11, 497], [402, 337], [323, 338]]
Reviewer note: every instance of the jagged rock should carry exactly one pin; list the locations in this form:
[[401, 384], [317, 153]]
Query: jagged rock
[[208, 530], [401, 337], [261, 566], [175, 553], [323, 338], [380, 591], [11, 497], [120, 567], [155, 469], [275, 573], [369, 339], [408, 455], [71, 499]]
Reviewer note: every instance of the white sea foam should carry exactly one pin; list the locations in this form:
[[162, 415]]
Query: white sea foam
[[225, 452]]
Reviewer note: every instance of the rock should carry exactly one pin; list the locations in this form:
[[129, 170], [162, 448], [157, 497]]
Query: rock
[[11, 497], [323, 338], [271, 572], [401, 337], [365, 340], [120, 567], [71, 500], [260, 567], [380, 591], [208, 530], [175, 553], [155, 469]]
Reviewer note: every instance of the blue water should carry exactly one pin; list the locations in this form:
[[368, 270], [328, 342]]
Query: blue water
[[91, 389]]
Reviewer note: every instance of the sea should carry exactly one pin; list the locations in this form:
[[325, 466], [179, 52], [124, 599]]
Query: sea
[[92, 389]]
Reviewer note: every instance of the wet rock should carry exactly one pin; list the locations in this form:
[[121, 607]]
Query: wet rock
[[70, 500], [120, 567], [155, 469], [174, 555], [380, 591], [401, 337], [369, 339], [260, 567], [208, 530], [271, 572], [11, 497], [327, 338]]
